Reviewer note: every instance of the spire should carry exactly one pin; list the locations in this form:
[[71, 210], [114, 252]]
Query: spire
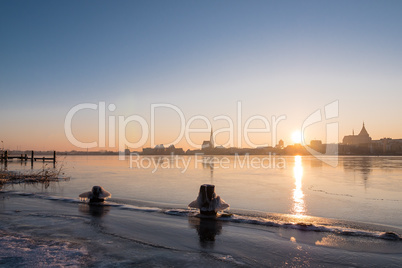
[[211, 138], [363, 132]]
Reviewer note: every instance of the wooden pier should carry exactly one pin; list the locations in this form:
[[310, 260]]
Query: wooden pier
[[5, 157]]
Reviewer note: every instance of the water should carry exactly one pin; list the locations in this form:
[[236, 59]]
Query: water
[[360, 188], [361, 197]]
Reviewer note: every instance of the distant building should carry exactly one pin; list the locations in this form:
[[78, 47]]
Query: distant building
[[161, 150], [317, 146], [173, 150], [357, 144], [208, 145], [280, 144], [315, 143], [363, 139], [387, 146], [148, 151]]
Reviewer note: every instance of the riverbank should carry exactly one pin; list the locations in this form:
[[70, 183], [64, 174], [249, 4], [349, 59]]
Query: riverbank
[[58, 232]]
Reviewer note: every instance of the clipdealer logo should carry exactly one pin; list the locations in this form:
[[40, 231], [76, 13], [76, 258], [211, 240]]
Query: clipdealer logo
[[239, 128]]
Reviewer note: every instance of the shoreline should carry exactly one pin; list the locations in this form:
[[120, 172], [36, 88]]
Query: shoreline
[[241, 152], [102, 235]]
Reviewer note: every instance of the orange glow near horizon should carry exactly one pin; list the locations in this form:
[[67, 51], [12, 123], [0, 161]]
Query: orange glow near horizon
[[296, 137], [52, 137]]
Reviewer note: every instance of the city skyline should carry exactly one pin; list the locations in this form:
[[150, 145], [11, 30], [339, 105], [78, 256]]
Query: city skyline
[[352, 144], [276, 58]]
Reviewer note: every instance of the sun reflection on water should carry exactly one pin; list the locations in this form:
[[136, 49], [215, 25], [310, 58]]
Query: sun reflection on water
[[299, 207]]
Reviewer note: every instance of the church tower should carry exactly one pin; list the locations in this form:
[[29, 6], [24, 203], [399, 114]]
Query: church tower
[[363, 138], [208, 145], [211, 139], [364, 132]]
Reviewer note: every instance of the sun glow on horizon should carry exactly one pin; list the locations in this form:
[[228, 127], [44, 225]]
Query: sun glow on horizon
[[296, 137]]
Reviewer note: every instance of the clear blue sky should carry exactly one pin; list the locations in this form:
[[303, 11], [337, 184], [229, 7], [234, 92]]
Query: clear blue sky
[[277, 57]]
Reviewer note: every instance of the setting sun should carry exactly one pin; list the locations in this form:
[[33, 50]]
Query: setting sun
[[296, 137]]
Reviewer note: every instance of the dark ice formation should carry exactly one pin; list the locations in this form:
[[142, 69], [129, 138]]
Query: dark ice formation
[[208, 202], [97, 194]]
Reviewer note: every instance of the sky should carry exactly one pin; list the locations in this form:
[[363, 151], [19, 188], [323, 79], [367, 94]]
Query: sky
[[229, 65]]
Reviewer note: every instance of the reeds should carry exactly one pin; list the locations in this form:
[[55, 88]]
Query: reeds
[[45, 175]]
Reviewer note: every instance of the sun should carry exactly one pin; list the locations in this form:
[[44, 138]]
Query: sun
[[297, 137]]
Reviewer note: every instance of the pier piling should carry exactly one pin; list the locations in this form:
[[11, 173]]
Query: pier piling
[[4, 156]]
